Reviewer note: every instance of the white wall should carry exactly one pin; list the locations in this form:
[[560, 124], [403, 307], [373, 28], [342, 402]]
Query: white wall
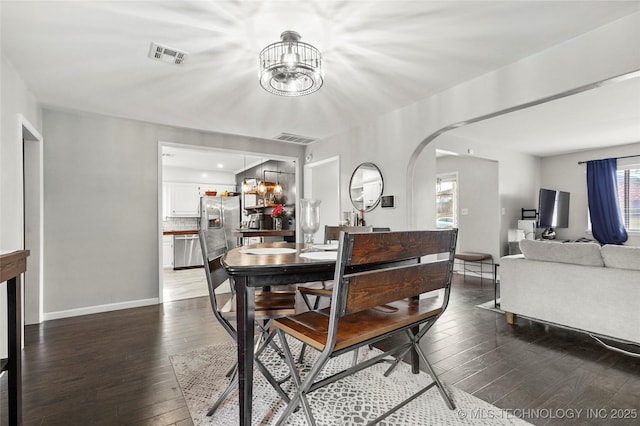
[[563, 172], [390, 140], [15, 98], [101, 207]]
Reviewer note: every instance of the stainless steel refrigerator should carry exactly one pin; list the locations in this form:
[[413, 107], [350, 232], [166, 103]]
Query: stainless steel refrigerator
[[221, 213]]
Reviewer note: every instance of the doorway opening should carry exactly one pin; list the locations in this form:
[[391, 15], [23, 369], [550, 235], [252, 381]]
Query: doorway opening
[[185, 173]]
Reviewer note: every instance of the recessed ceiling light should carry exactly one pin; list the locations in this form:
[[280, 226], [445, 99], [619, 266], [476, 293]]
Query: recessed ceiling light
[[220, 165]]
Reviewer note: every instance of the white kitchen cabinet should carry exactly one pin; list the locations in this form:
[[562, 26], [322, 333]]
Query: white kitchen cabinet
[[167, 251], [184, 199]]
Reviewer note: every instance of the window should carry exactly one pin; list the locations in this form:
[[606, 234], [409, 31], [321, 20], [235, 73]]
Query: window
[[629, 196], [446, 201]]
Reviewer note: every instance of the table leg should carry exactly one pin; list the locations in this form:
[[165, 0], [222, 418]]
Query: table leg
[[14, 374], [415, 359], [245, 304]]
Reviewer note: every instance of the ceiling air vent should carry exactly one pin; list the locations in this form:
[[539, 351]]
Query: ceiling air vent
[[288, 137], [167, 54]]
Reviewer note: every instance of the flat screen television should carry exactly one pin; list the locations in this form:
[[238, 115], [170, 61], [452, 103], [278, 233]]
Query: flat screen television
[[553, 209]]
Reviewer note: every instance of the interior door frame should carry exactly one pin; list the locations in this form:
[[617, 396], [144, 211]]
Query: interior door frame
[[32, 225]]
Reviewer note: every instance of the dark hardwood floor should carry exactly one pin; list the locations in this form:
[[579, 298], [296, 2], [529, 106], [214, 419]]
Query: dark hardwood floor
[[113, 368]]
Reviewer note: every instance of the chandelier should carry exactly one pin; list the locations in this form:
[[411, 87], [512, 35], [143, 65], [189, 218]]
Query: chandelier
[[290, 67]]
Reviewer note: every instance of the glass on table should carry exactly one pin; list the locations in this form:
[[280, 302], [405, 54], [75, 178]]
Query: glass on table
[[309, 219]]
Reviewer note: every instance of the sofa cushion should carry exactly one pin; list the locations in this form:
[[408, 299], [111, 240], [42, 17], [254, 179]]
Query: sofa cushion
[[587, 254], [623, 257]]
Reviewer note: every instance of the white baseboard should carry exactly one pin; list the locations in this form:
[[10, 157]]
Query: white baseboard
[[100, 308]]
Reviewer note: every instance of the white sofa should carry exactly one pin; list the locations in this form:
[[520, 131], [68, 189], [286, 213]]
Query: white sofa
[[578, 285]]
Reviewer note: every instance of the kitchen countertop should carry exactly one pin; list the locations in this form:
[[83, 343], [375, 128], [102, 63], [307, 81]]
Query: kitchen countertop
[[264, 233], [181, 232]]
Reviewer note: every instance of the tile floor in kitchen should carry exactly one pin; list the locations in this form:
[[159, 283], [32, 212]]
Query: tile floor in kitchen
[[186, 284]]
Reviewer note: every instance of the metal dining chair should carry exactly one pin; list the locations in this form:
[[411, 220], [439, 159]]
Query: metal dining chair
[[268, 306], [331, 233], [379, 278]]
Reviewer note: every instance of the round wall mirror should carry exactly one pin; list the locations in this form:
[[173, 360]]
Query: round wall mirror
[[365, 187]]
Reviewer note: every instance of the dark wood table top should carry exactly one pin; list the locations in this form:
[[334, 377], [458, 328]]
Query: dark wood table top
[[264, 233], [181, 232], [12, 264], [271, 269]]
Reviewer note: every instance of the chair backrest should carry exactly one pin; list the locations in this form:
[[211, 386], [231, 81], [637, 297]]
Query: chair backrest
[[213, 244], [374, 269], [332, 233]]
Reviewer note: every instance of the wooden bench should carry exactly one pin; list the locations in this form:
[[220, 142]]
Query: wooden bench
[[475, 259], [378, 282]]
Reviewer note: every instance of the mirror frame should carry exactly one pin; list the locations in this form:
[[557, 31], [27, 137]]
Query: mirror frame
[[373, 167]]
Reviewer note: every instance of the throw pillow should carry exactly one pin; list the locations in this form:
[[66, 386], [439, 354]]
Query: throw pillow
[[587, 254], [623, 257]]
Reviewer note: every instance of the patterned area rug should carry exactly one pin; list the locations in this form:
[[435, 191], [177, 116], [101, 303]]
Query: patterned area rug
[[354, 400]]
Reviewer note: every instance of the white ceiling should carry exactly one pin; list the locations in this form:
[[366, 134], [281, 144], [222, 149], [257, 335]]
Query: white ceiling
[[208, 159], [378, 56], [604, 116]]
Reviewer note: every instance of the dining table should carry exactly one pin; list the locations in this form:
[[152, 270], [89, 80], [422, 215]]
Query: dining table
[[261, 266]]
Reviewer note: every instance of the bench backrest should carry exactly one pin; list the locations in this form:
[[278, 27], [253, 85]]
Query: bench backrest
[[378, 268]]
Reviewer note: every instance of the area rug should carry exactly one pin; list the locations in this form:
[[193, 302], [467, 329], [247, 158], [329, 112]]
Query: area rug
[[354, 400]]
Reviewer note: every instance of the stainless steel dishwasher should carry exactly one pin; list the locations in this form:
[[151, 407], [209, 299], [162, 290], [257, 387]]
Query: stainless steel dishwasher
[[187, 252]]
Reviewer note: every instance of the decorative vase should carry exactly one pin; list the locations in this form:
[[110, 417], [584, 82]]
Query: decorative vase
[[277, 223], [309, 218]]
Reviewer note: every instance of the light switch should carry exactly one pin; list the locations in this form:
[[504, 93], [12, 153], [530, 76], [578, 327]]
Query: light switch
[[504, 211], [464, 212]]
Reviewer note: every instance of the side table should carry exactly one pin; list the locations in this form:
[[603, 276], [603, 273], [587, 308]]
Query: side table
[[12, 265]]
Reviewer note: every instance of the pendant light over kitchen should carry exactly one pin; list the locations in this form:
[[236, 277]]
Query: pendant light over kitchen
[[278, 188], [262, 187], [245, 184]]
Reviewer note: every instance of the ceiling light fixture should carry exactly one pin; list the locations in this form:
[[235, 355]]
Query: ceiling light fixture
[[290, 67]]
